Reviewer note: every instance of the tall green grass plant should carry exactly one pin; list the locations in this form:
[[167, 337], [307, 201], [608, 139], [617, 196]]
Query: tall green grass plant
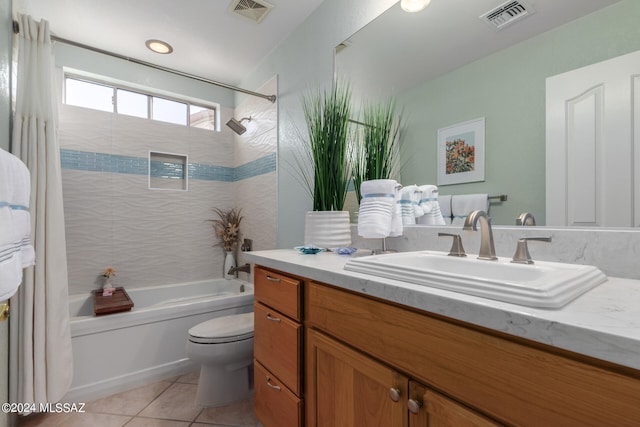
[[327, 115], [376, 153]]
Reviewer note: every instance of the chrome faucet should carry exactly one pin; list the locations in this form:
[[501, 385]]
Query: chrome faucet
[[244, 268], [487, 248], [526, 219]]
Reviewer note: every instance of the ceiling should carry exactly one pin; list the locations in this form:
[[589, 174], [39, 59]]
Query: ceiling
[[400, 50], [208, 40]]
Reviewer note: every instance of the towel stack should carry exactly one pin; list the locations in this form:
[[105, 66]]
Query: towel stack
[[409, 204], [16, 251], [432, 214], [462, 205], [379, 214]]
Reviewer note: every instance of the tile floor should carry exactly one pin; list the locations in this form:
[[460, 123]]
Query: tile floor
[[168, 403]]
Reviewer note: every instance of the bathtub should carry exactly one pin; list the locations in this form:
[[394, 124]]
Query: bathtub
[[120, 351]]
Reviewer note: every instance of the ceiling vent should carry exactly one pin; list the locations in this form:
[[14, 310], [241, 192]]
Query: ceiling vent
[[507, 13], [255, 10]]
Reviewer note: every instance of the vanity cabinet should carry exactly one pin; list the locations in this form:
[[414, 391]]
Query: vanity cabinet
[[349, 388], [278, 348], [362, 354]]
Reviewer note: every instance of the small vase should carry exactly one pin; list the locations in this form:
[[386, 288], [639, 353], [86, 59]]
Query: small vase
[[229, 263]]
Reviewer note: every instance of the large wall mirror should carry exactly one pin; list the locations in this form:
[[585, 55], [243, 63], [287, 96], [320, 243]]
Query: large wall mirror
[[445, 66]]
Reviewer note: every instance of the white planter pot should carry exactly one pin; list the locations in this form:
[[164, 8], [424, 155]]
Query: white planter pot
[[327, 229]]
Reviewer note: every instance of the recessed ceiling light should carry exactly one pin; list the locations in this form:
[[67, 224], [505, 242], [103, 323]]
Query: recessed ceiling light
[[158, 46], [414, 5]]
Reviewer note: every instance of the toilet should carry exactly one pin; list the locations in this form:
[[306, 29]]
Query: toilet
[[224, 349]]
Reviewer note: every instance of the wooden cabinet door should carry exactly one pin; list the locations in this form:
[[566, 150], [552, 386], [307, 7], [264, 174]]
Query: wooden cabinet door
[[431, 409], [347, 388]]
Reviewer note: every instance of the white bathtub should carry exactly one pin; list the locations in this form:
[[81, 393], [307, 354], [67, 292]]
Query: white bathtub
[[119, 351]]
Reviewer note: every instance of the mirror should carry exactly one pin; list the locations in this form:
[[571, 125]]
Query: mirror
[[445, 66]]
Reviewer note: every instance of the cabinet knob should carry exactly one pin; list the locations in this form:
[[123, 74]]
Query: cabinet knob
[[394, 394], [414, 406]]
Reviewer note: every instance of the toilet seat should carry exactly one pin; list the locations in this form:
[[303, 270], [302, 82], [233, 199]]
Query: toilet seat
[[236, 327]]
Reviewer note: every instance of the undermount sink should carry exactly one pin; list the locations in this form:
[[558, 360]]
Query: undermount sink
[[542, 285]]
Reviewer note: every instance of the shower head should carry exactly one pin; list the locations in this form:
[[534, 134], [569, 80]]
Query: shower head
[[236, 125]]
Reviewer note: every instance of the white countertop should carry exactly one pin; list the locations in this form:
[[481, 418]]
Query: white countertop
[[603, 323]]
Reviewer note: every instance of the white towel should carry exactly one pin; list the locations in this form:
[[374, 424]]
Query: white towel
[[376, 208], [16, 251], [430, 206], [462, 205], [445, 207], [396, 219], [409, 198]]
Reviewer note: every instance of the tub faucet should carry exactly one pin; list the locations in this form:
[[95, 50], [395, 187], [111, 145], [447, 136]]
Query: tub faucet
[[487, 248], [245, 268]]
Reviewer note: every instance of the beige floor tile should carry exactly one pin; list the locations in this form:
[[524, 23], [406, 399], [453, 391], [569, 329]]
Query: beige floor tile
[[154, 422], [129, 402], [238, 414], [95, 420], [191, 378], [74, 420], [175, 403], [43, 419]]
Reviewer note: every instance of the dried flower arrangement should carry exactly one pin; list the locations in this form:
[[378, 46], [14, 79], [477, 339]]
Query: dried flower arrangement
[[108, 272], [227, 227]]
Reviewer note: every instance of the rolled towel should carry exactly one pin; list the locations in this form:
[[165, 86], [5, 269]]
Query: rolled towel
[[409, 197], [396, 219], [444, 201], [462, 205], [430, 206], [376, 208]]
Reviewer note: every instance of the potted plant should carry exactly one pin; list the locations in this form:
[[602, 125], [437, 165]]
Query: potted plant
[[327, 115], [227, 228], [377, 150]]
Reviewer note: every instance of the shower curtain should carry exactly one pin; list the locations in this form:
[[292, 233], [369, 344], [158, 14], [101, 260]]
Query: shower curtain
[[40, 358]]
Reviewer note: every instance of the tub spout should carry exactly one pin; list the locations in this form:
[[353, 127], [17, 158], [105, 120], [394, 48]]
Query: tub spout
[[245, 268]]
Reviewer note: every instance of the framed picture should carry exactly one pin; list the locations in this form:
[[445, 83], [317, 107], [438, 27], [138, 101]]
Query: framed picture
[[461, 152]]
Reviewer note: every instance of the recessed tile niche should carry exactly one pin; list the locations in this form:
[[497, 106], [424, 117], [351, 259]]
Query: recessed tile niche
[[168, 171]]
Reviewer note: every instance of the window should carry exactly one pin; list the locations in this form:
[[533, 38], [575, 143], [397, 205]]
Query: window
[[132, 103], [169, 111], [202, 117], [87, 93]]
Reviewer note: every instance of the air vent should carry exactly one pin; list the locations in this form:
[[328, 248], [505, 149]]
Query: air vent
[[255, 10], [507, 13]]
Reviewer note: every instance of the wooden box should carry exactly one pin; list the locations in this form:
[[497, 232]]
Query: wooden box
[[115, 303]]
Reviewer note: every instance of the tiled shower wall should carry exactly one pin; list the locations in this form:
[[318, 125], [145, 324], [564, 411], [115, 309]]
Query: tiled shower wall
[[150, 236], [256, 195]]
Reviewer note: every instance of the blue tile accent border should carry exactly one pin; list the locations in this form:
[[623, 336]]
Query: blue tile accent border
[[114, 163]]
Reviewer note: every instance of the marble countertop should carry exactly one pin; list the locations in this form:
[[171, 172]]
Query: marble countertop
[[603, 323]]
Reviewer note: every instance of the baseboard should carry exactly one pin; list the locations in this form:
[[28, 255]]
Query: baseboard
[[121, 383]]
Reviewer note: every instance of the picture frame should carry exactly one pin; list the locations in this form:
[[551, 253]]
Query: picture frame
[[461, 154]]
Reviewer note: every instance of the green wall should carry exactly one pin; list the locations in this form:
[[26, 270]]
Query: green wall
[[508, 90]]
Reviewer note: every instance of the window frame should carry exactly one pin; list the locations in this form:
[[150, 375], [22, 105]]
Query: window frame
[[150, 94]]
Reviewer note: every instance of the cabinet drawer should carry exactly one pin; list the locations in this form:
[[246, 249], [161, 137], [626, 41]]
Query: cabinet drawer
[[278, 291], [278, 345], [274, 405]]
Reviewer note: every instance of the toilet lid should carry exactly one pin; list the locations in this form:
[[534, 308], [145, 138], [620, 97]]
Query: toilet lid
[[235, 327]]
